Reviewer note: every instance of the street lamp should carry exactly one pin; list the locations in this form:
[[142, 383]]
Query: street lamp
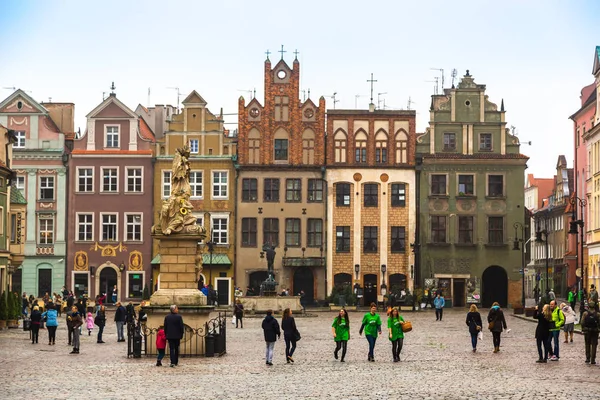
[[538, 238], [383, 285], [518, 225], [573, 229], [210, 245], [356, 270]]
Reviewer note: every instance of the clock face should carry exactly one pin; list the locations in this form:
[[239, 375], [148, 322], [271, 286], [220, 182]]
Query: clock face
[[309, 113], [254, 112]]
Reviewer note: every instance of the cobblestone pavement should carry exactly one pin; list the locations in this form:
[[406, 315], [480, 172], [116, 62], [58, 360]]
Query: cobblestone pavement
[[437, 363]]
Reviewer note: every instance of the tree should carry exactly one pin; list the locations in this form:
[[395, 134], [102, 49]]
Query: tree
[[16, 306], [3, 307]]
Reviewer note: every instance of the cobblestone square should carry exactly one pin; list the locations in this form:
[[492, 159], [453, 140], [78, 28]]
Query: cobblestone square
[[437, 363]]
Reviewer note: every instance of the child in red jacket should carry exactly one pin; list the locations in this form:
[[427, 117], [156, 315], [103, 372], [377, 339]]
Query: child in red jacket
[[161, 344]]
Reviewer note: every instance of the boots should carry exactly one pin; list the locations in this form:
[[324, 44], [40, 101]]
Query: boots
[[158, 364], [496, 349]]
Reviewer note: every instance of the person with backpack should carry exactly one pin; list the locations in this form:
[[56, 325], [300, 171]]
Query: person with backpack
[[271, 332], [590, 325], [100, 321], [571, 298], [558, 319]]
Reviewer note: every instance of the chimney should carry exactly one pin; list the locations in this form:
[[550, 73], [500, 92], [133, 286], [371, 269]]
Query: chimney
[[371, 107]]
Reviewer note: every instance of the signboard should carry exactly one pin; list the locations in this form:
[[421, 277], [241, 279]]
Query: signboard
[[473, 291]]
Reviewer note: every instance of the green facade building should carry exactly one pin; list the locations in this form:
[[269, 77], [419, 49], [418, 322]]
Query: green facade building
[[471, 178]]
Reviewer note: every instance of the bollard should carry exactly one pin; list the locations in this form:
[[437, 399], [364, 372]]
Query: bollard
[[210, 346], [137, 344]]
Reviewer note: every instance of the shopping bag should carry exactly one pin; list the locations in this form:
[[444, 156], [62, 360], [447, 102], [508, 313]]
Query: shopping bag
[[480, 335], [233, 320]]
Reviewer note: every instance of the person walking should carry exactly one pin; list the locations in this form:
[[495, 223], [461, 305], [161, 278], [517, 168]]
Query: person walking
[[173, 326], [238, 311], [100, 320], [496, 323], [36, 318], [536, 294], [24, 304], [120, 317], [371, 324], [341, 333], [542, 332], [161, 345], [590, 325], [114, 296], [569, 326], [572, 297], [551, 295], [558, 317], [439, 304], [474, 323], [76, 321], [593, 296], [89, 322], [395, 333], [288, 326], [51, 323], [271, 332]]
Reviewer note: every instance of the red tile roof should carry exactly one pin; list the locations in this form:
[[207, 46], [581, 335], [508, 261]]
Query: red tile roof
[[120, 152], [145, 131], [478, 156]]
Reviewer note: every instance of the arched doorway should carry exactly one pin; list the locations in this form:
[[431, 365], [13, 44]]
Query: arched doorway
[[304, 280], [494, 286], [106, 278], [370, 289], [342, 279], [255, 279]]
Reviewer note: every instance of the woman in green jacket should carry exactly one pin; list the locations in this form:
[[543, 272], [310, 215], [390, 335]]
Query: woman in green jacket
[[371, 324], [396, 336], [341, 333]]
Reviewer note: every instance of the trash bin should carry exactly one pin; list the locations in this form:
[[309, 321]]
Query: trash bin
[[342, 301], [26, 324], [209, 342], [137, 344]]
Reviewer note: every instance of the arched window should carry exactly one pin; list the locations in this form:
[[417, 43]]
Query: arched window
[[360, 145], [381, 139], [254, 146], [281, 141], [308, 147], [401, 147], [340, 140]]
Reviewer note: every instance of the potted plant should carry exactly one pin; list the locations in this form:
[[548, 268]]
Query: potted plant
[[3, 311], [12, 320]]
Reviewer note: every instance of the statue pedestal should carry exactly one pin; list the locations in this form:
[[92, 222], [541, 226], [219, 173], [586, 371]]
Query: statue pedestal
[[260, 304]]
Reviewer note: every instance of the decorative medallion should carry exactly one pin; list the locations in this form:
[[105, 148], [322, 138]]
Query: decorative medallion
[[81, 261], [357, 177], [465, 205], [438, 205], [384, 177], [309, 113], [254, 112], [135, 261], [108, 250], [496, 206]]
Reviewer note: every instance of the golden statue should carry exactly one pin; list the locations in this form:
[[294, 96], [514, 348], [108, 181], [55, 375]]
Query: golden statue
[[176, 212]]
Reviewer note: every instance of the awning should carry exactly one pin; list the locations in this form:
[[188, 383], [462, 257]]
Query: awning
[[217, 259], [156, 260]]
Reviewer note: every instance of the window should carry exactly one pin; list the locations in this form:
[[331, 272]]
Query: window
[[110, 179], [219, 184], [166, 184], [194, 146], [85, 227], [248, 232], [438, 229], [381, 140], [199, 218], [271, 231], [47, 188], [466, 185], [370, 194], [20, 140], [495, 185], [308, 147], [112, 136], [85, 180], [369, 239], [398, 195], [46, 229], [339, 144], [13, 229], [109, 227], [360, 152], [465, 230], [342, 239], [401, 147], [496, 230], [249, 189], [485, 141], [315, 190], [281, 149], [134, 180], [282, 104], [292, 232], [314, 237], [438, 184], [271, 190], [134, 227], [219, 229], [342, 194], [196, 184], [449, 141], [293, 190], [254, 146], [21, 184], [398, 239]]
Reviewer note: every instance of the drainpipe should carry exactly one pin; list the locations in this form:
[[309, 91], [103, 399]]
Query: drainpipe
[[418, 275], [235, 210], [65, 161]]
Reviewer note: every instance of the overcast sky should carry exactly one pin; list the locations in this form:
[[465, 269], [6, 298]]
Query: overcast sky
[[536, 55]]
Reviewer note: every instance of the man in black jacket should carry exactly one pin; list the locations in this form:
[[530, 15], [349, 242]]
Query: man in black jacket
[[272, 332], [120, 316], [173, 327]]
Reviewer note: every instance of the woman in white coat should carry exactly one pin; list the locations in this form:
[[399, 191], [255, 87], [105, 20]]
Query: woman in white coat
[[569, 321]]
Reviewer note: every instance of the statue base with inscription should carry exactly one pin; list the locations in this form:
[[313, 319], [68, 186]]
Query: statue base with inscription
[[260, 304]]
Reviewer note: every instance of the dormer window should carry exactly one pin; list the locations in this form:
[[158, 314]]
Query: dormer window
[[20, 140], [112, 136]]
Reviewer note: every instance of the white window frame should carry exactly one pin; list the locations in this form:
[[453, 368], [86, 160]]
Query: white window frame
[[141, 178], [39, 236], [223, 278], [112, 133], [21, 186], [197, 142], [195, 185], [78, 224], [127, 224], [220, 196], [127, 281], [101, 225], [213, 217], [21, 136], [79, 169], [47, 187], [102, 169], [164, 184]]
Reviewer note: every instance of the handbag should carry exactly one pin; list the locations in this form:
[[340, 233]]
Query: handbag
[[233, 320], [480, 335], [297, 336], [491, 325], [406, 326]]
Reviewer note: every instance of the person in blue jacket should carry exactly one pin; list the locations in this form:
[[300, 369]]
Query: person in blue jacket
[[439, 304], [50, 316]]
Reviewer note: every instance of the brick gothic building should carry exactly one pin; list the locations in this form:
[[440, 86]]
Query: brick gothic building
[[370, 202], [280, 186]]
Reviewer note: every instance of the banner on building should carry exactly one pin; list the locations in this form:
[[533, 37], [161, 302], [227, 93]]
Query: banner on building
[[473, 291]]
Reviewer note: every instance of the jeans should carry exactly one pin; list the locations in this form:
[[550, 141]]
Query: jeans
[[371, 340], [556, 340], [474, 339], [496, 338], [270, 348], [238, 319], [114, 299], [439, 312], [120, 330], [289, 340], [397, 347], [174, 350], [51, 334], [342, 344], [545, 342], [161, 354], [591, 344], [76, 334], [35, 332], [100, 330]]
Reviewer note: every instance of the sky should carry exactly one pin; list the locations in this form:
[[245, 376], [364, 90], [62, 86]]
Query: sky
[[536, 55]]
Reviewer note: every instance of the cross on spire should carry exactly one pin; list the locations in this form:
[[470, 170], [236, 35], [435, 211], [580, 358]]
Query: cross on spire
[[112, 88], [267, 53], [371, 81], [282, 51], [296, 52]]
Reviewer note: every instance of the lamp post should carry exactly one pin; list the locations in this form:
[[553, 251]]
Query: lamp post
[[383, 285], [210, 245], [518, 225], [538, 238], [573, 228]]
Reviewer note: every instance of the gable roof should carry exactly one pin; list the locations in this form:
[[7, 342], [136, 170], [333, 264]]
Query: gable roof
[[111, 99], [29, 99], [145, 131], [194, 98]]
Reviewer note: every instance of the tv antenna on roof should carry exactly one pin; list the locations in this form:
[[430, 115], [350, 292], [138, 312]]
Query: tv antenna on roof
[[379, 100], [515, 133], [410, 102], [334, 100], [454, 74], [442, 71], [435, 87], [178, 95]]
